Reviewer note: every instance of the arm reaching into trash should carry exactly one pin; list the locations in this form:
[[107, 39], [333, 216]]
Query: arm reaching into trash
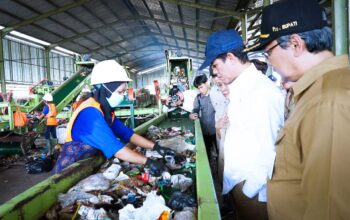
[[141, 141], [131, 156]]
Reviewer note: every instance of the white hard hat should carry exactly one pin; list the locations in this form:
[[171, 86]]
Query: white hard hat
[[108, 71], [48, 97]]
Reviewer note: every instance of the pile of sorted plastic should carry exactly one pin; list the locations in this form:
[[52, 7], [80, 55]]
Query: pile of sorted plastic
[[125, 191]]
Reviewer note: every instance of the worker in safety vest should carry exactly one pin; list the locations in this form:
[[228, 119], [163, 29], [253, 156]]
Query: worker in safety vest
[[49, 112], [93, 126]]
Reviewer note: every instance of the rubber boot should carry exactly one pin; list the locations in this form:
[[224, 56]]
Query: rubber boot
[[48, 146]]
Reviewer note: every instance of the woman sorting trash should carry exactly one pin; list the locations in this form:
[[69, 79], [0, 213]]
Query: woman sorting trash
[[93, 126]]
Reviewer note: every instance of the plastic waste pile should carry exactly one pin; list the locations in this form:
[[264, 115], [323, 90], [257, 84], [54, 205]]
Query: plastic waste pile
[[39, 163], [126, 191]]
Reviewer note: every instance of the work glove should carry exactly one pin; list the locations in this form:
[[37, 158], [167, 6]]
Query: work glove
[[163, 150], [156, 167]]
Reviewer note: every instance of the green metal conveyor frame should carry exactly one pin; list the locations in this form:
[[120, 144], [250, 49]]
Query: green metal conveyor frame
[[34, 202], [62, 96]]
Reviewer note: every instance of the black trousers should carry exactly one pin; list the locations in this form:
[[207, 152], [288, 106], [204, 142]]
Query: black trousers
[[210, 142], [50, 129]]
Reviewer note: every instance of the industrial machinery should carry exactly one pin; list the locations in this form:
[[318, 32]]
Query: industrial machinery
[[179, 72], [179, 69], [17, 139]]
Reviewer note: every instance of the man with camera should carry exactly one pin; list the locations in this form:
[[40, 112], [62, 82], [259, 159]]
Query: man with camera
[[176, 97]]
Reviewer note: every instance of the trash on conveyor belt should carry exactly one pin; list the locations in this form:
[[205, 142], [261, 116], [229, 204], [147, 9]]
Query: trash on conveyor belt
[[122, 190]]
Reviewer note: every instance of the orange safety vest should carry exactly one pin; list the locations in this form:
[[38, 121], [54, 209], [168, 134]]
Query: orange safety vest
[[51, 116], [90, 102]]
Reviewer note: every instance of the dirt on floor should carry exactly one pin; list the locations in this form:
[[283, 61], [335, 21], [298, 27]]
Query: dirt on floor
[[14, 178]]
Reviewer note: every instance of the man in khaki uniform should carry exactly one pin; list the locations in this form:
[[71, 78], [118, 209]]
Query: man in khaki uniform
[[311, 178]]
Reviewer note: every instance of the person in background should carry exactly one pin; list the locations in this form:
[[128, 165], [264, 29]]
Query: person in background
[[94, 128], [204, 110], [260, 65], [311, 174], [49, 112], [175, 98], [255, 114], [219, 102], [219, 94]]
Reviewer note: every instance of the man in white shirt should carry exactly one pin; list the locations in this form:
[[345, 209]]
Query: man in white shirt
[[255, 115]]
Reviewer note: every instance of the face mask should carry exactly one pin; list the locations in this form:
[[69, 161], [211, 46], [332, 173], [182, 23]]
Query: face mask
[[115, 99]]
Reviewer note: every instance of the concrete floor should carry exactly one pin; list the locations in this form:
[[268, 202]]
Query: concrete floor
[[15, 179]]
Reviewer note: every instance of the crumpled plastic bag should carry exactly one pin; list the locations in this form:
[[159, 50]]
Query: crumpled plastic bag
[[83, 197], [187, 213], [178, 201], [152, 153], [96, 182], [154, 132], [94, 214], [112, 172], [177, 143], [101, 199], [152, 208], [39, 165], [181, 182], [127, 213], [71, 197]]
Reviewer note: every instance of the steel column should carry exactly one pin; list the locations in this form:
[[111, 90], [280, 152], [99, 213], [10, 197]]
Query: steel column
[[340, 27], [244, 27], [2, 67], [47, 62]]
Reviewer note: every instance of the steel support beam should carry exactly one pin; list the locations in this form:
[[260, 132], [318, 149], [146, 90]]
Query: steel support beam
[[179, 38], [340, 27], [146, 34], [42, 16], [2, 66], [128, 19], [244, 27], [157, 44], [234, 14], [174, 23], [47, 62]]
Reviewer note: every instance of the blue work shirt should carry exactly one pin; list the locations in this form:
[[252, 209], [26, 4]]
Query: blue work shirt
[[91, 128], [46, 110]]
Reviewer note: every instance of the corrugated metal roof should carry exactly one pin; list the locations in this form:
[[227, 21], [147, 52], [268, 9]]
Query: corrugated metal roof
[[136, 32]]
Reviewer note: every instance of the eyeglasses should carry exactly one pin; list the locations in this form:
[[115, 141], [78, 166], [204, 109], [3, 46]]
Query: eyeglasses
[[267, 53]]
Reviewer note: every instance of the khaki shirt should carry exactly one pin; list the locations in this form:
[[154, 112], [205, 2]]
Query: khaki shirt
[[311, 178]]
